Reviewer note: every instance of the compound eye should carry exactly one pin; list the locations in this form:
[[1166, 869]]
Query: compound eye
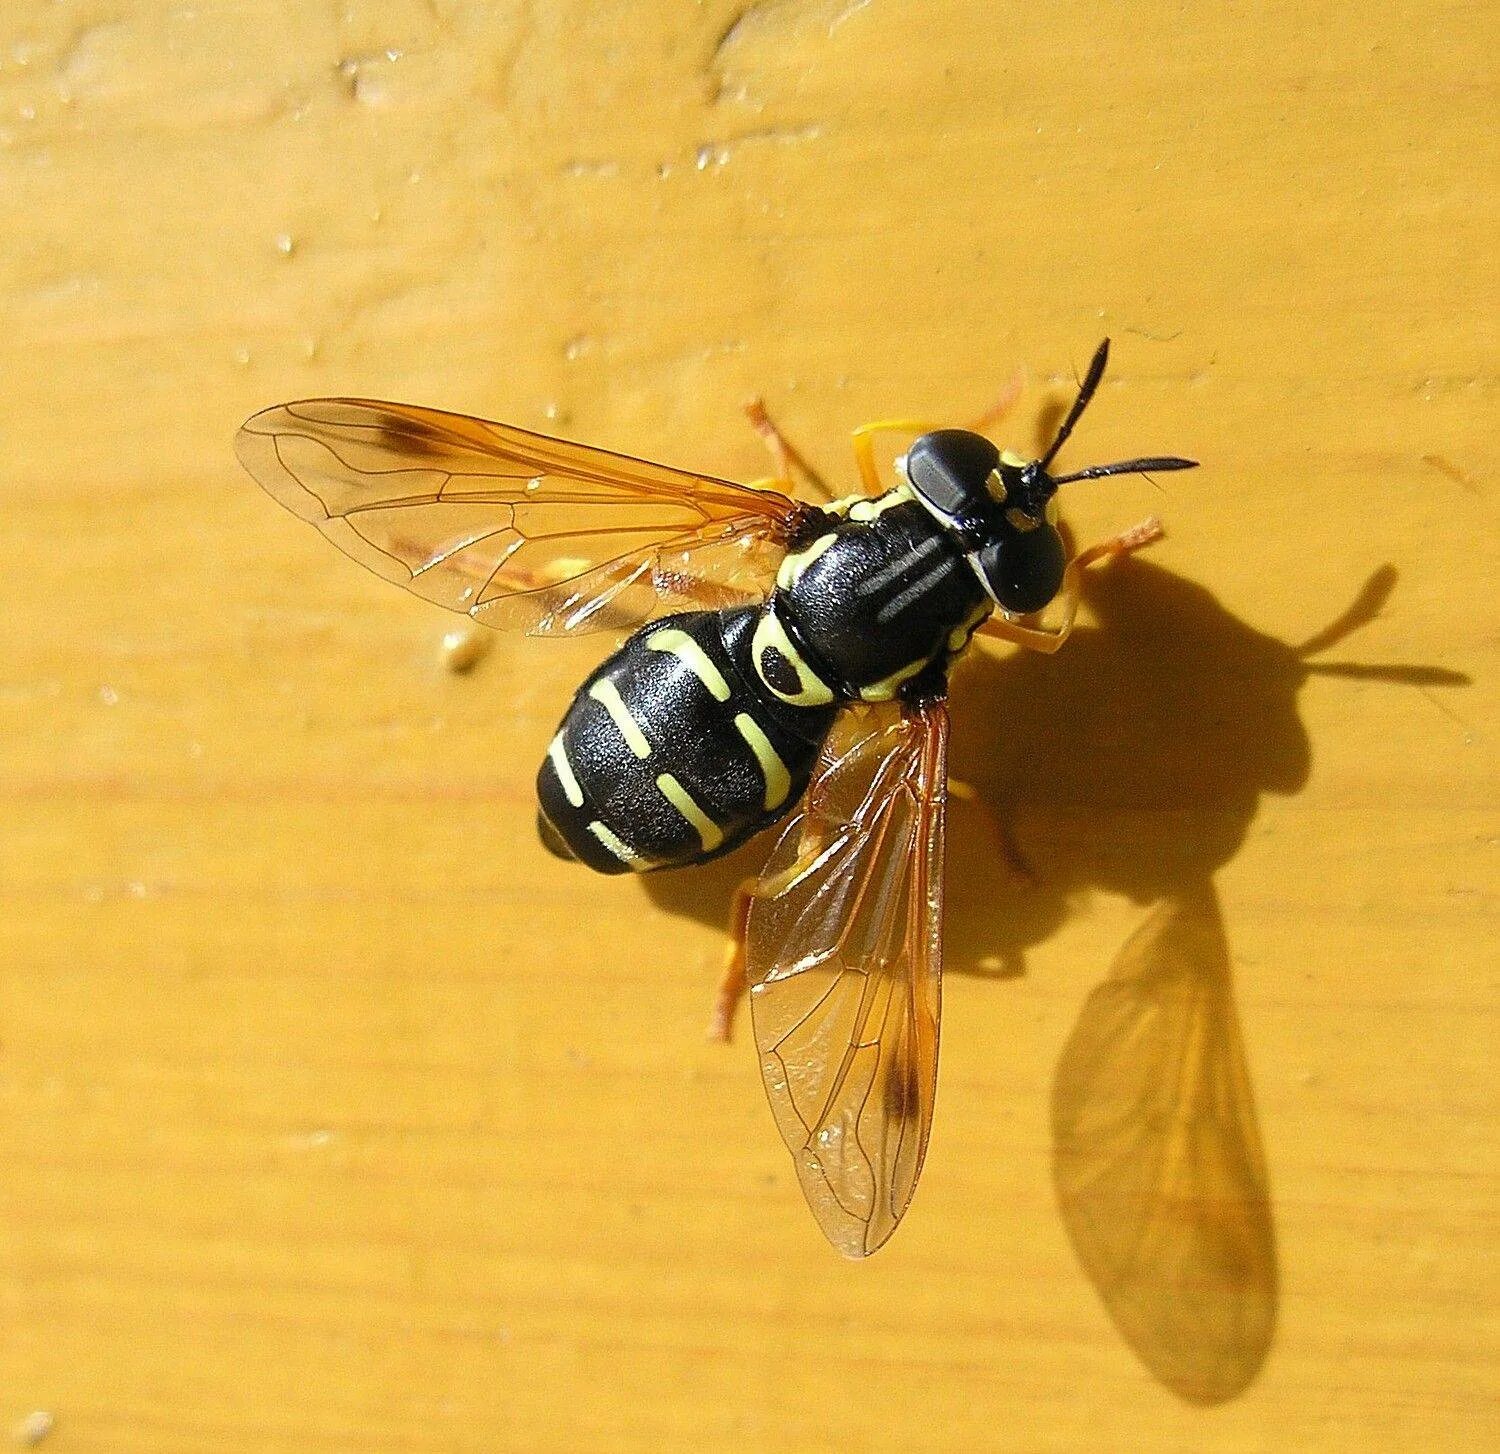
[[1025, 571], [949, 467]]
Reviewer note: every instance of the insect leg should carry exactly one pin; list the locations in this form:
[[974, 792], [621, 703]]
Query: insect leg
[[864, 436], [998, 828], [864, 445], [732, 983], [705, 594], [810, 846], [1001, 407], [1049, 638], [786, 455]]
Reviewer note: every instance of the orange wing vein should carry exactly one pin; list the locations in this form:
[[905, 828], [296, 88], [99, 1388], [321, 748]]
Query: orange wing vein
[[516, 529], [844, 960]]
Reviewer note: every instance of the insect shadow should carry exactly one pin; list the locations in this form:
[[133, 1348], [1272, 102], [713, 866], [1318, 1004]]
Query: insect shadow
[[1133, 762]]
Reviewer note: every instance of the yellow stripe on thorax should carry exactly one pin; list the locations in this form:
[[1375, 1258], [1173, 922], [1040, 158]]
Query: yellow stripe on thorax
[[959, 637], [870, 507], [886, 688], [798, 561]]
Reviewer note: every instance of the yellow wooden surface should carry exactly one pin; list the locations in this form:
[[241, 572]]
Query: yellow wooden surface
[[333, 1113]]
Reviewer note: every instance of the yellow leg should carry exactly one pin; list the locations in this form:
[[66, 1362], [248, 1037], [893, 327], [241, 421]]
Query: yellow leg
[[864, 436], [864, 446], [1049, 638]]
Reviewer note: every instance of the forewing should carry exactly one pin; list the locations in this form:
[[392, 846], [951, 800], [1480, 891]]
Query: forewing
[[518, 530], [1158, 1160], [844, 957]]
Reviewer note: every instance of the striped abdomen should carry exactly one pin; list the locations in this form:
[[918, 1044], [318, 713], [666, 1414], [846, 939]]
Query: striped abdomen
[[673, 752]]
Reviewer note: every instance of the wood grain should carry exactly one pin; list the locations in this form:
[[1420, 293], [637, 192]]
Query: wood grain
[[333, 1113]]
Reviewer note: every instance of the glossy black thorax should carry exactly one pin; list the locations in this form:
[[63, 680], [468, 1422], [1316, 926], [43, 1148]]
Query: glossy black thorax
[[881, 593]]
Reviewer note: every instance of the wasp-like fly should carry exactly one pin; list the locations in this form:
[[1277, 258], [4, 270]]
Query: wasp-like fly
[[788, 663]]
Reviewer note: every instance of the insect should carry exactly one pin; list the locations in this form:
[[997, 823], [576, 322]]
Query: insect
[[788, 664]]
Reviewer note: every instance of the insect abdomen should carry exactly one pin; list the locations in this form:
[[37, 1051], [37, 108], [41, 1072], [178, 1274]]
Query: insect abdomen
[[668, 755]]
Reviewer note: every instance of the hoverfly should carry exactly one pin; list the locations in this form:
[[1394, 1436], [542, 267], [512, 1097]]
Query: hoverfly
[[788, 663]]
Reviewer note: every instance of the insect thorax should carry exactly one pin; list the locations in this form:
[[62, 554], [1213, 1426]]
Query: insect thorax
[[864, 605]]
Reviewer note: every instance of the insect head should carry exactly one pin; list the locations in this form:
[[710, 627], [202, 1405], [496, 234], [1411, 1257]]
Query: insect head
[[1001, 507]]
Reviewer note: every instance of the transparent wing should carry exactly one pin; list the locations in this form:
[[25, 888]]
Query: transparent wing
[[1158, 1160], [844, 956], [519, 530]]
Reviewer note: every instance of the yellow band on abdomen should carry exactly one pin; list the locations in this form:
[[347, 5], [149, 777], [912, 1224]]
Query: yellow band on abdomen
[[778, 779], [564, 770], [617, 846], [692, 656], [770, 635], [608, 696], [677, 795]]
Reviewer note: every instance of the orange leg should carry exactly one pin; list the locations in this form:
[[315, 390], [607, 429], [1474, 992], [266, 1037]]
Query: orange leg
[[1001, 407], [784, 453], [788, 458], [1049, 638], [998, 828], [699, 591], [732, 983]]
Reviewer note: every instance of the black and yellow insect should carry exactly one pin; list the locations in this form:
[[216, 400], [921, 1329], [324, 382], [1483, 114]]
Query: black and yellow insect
[[789, 661]]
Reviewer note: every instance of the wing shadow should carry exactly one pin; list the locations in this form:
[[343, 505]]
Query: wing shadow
[[1133, 763], [1157, 1157]]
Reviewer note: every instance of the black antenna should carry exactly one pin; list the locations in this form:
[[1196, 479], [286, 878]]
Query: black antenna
[[1129, 467], [1085, 393]]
